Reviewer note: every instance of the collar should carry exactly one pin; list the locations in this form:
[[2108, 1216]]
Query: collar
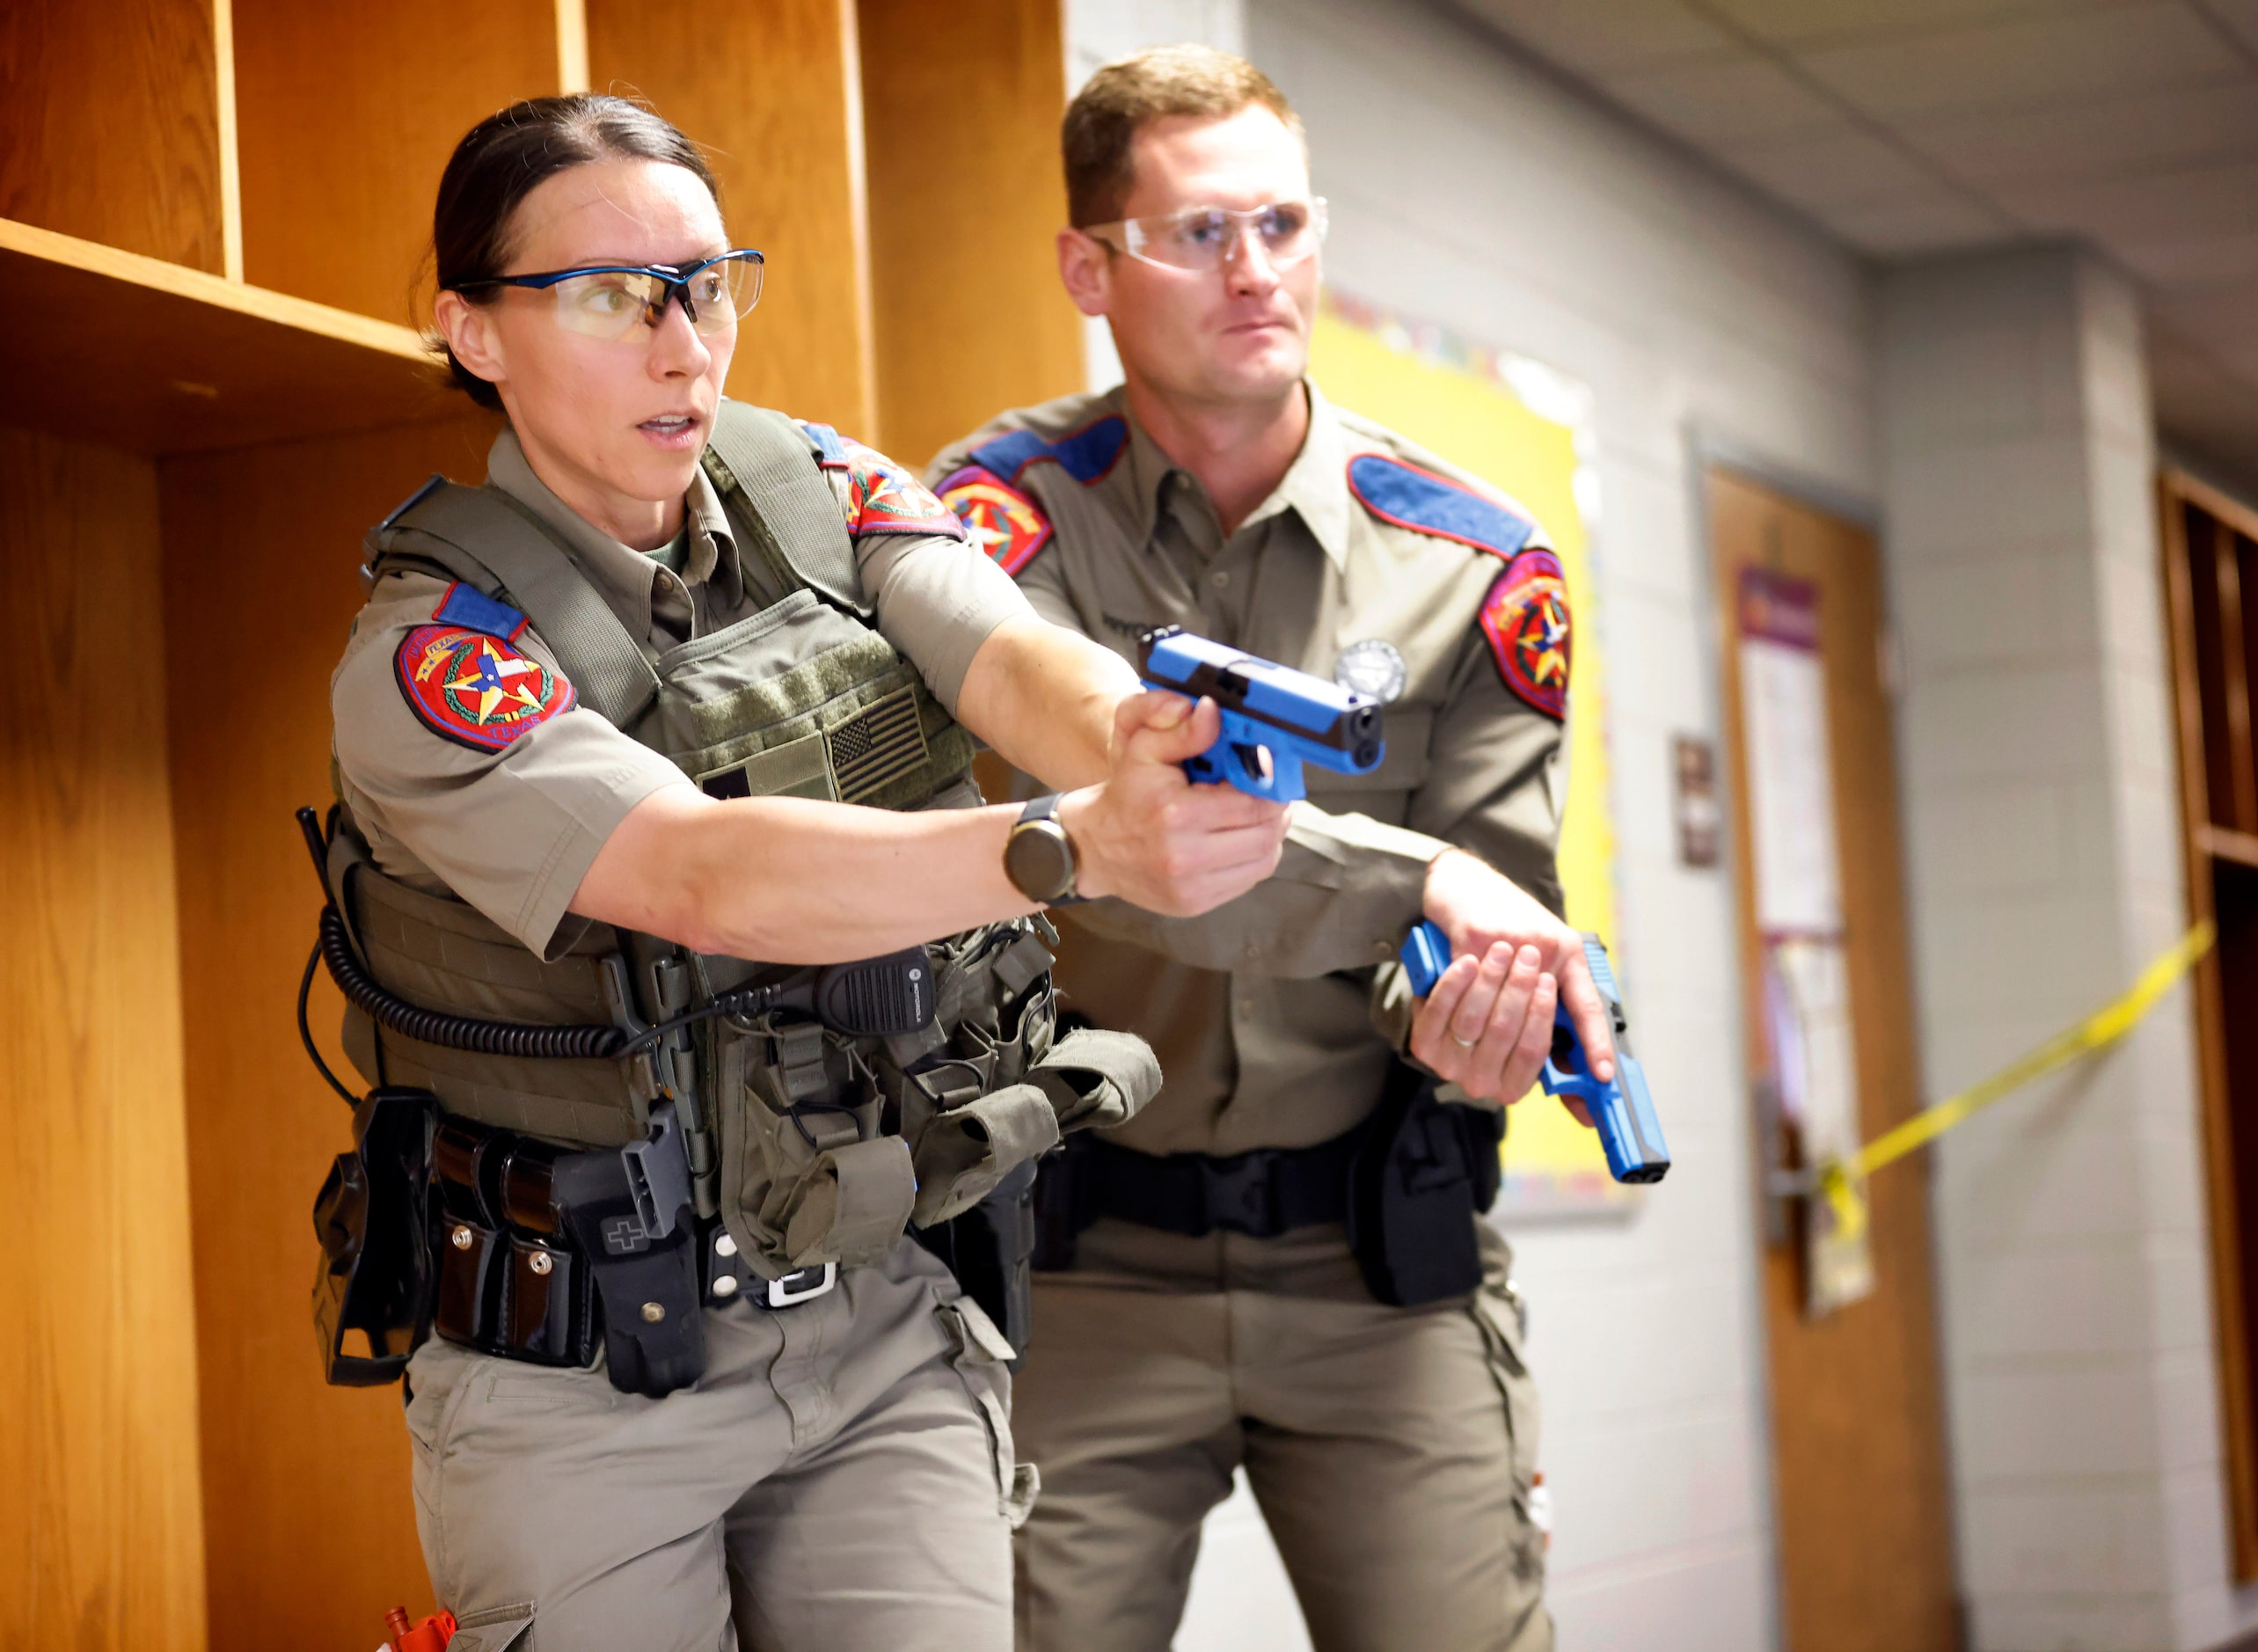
[[1315, 485], [626, 575]]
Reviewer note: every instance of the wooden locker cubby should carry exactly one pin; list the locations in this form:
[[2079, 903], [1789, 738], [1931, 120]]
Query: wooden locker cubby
[[187, 461], [2210, 565]]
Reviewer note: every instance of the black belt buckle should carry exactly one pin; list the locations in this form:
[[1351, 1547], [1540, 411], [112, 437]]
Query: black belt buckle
[[1240, 1194]]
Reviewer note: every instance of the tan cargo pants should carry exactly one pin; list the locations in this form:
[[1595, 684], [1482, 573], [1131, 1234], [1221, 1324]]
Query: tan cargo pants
[[841, 1478], [1391, 1450]]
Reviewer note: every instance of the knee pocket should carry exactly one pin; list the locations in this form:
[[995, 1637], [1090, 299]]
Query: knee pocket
[[1498, 1316], [979, 1356]]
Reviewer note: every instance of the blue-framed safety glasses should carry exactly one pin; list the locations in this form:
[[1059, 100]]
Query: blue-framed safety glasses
[[610, 301]]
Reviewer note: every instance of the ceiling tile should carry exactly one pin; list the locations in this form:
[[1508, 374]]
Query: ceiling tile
[[2027, 60], [2238, 18], [1596, 36], [1933, 219], [2222, 323], [2198, 265], [1821, 170], [1803, 21], [2097, 137], [2174, 204], [1746, 99]]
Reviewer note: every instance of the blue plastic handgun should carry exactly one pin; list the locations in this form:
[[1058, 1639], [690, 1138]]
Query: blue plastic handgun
[[1623, 1110], [1296, 718]]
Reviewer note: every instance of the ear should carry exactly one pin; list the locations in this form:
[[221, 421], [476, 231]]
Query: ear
[[1085, 268], [469, 331]]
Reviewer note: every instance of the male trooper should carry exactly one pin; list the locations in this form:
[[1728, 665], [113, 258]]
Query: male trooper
[[1211, 1311]]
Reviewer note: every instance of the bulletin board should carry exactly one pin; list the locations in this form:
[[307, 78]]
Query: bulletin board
[[1527, 429]]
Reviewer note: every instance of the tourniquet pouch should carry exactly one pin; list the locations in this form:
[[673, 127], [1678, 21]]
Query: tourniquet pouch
[[1423, 1174], [374, 1272], [963, 1148]]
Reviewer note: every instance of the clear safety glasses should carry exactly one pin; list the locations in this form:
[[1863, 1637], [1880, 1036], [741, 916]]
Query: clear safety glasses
[[611, 300], [1203, 238]]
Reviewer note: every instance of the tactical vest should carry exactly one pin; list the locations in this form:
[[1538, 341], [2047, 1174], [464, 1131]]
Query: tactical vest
[[813, 1147]]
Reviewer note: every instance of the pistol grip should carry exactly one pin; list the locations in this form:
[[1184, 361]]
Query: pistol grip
[[1236, 762], [1426, 955]]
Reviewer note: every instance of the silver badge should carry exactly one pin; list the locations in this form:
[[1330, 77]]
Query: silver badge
[[1372, 667]]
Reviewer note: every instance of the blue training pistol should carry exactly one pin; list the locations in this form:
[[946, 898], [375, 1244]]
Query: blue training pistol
[[1295, 717], [1623, 1110]]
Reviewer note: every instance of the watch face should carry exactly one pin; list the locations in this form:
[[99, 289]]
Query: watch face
[[1037, 861]]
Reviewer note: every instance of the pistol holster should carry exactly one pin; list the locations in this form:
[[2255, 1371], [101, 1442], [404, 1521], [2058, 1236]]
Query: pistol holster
[[1425, 1170]]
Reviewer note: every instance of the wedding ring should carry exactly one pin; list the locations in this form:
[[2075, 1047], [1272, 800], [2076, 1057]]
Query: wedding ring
[[1464, 1044]]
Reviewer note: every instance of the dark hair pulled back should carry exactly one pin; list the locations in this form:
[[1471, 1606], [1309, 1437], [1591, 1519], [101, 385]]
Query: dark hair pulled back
[[504, 158]]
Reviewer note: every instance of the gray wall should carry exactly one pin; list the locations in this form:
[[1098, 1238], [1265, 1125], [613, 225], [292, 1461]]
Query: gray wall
[[2042, 808]]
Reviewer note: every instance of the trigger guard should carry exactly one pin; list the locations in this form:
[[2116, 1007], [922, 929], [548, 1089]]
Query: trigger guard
[[1580, 1086]]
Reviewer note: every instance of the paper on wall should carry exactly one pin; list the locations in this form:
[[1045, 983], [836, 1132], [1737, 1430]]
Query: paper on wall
[[1791, 786]]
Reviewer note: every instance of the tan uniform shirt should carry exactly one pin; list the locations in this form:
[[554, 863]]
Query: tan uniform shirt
[[513, 831], [1261, 1013]]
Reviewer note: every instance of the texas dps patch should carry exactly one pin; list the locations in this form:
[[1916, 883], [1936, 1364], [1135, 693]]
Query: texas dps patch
[[475, 689], [1525, 616], [1374, 667], [884, 498], [1002, 521]]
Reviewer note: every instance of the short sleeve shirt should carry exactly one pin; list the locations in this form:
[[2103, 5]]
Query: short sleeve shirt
[[513, 830], [1375, 564]]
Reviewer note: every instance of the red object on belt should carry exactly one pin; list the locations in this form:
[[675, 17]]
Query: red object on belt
[[431, 1636]]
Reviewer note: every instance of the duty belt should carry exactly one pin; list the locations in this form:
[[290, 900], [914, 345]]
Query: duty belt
[[1407, 1184], [1262, 1193], [542, 1253]]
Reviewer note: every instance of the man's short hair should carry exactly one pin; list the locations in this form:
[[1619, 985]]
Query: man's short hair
[[1123, 97]]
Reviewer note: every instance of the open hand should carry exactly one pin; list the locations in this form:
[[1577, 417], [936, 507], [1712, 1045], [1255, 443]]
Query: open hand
[[1487, 1025]]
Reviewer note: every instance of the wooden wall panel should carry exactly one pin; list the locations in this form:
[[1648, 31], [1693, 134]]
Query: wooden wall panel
[[109, 124], [961, 106], [312, 1532], [100, 1545], [346, 115], [772, 92]]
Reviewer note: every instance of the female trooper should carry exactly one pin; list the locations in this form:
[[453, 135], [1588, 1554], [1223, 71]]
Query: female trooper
[[678, 704]]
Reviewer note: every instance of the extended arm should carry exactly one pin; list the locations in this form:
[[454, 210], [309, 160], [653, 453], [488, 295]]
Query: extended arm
[[796, 881]]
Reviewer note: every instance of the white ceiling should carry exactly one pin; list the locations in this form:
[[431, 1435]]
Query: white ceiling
[[1913, 126]]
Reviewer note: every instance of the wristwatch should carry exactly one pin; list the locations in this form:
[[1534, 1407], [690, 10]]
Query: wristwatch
[[1039, 856]]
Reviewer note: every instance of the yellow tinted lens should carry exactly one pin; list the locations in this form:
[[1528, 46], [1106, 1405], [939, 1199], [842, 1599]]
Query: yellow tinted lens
[[608, 305], [721, 293]]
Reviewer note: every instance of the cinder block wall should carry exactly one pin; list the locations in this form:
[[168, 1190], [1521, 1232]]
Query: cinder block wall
[[2042, 821]]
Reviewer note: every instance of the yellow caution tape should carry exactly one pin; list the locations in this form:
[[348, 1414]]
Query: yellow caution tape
[[1837, 1179]]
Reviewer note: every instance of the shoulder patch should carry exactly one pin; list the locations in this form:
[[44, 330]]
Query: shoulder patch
[[881, 496], [1525, 617], [472, 609], [473, 688], [1001, 520], [1398, 491], [1087, 454]]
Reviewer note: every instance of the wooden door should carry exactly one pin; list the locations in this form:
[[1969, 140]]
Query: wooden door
[[1862, 1501]]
